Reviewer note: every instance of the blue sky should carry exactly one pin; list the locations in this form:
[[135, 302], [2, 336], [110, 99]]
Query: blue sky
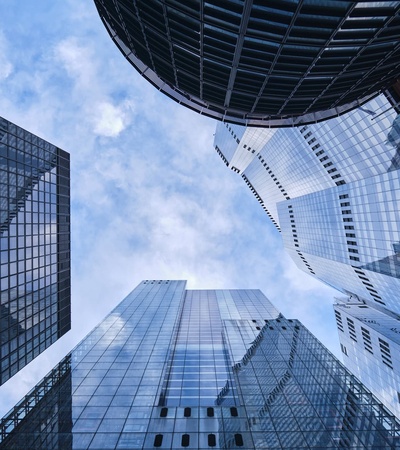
[[151, 198]]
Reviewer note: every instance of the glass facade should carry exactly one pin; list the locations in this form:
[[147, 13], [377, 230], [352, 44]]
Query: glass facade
[[370, 343], [251, 63], [34, 246], [175, 368], [332, 189]]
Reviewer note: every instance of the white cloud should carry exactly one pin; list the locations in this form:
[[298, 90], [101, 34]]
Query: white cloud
[[78, 61], [6, 67], [109, 120]]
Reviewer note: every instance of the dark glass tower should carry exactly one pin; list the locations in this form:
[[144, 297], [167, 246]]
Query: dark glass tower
[[34, 246], [260, 63], [175, 368]]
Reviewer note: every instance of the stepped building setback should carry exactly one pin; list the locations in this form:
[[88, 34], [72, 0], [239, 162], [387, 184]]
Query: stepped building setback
[[251, 62]]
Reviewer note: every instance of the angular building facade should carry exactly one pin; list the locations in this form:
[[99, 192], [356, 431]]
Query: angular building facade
[[176, 368], [332, 189], [256, 63], [34, 246], [370, 343]]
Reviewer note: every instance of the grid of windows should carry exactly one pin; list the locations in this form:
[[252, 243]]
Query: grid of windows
[[174, 368], [374, 356], [298, 391], [199, 364], [34, 246]]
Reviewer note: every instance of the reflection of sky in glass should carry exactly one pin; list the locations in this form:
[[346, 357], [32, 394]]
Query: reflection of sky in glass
[[154, 373], [333, 189], [34, 246]]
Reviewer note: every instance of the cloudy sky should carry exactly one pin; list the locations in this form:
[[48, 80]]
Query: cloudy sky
[[151, 198]]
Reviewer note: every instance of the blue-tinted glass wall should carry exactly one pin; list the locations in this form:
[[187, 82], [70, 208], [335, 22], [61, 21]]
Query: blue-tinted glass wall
[[174, 368], [332, 189], [34, 246]]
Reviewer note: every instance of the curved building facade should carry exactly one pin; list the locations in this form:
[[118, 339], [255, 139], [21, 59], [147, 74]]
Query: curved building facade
[[287, 63]]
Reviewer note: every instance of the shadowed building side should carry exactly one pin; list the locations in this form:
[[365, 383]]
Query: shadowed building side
[[34, 247]]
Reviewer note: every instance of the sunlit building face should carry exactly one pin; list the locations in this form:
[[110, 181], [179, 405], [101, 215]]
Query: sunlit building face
[[177, 368]]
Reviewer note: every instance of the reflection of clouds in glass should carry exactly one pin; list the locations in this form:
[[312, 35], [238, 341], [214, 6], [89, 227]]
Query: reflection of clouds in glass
[[26, 183], [112, 325]]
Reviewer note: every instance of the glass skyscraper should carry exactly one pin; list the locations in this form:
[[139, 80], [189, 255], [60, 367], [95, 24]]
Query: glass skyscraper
[[332, 189], [34, 246], [260, 63], [176, 368]]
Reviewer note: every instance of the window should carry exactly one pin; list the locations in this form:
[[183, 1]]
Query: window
[[210, 412], [239, 440], [185, 440], [158, 440], [234, 411], [187, 412], [164, 412], [211, 440]]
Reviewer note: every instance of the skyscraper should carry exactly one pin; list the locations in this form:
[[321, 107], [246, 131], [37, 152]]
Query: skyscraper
[[34, 247], [332, 189], [256, 63], [176, 368]]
